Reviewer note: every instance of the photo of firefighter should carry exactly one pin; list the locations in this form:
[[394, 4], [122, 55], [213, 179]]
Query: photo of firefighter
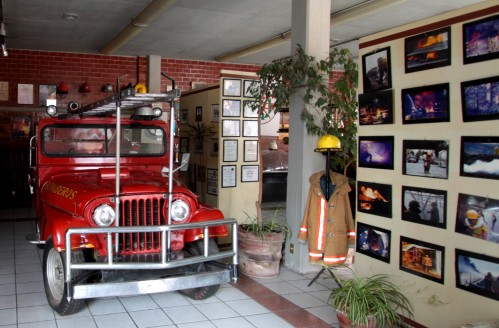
[[373, 241], [376, 108], [428, 50], [422, 259], [477, 217], [374, 198], [424, 206], [426, 158], [477, 273]]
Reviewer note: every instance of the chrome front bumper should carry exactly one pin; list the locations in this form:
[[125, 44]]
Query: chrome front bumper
[[224, 274]]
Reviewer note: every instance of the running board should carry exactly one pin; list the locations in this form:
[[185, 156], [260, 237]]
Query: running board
[[95, 290]]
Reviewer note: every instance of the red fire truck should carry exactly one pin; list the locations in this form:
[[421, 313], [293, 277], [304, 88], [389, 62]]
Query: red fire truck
[[113, 218]]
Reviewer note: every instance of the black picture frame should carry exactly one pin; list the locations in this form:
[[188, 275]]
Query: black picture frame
[[424, 206], [373, 241], [425, 158], [231, 108], [422, 259], [374, 198], [479, 157], [184, 144], [230, 150], [231, 88], [376, 108], [250, 85], [476, 40], [47, 95], [248, 111], [199, 113], [250, 173], [250, 128], [477, 273], [250, 153], [376, 70], [480, 99], [229, 174], [428, 50], [426, 104], [231, 128], [477, 216], [212, 182], [376, 152]]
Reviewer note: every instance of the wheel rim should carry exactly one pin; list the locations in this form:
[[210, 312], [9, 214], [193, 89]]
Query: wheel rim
[[55, 274]]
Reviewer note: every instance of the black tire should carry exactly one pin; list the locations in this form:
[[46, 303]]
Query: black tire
[[54, 272], [197, 248]]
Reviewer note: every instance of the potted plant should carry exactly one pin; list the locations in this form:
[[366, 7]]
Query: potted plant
[[260, 246], [371, 301]]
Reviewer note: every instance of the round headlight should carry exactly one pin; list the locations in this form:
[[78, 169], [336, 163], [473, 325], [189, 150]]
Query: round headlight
[[104, 215], [180, 210]]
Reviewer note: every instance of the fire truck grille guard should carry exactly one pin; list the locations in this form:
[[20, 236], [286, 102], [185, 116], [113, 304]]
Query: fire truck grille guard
[[141, 212]]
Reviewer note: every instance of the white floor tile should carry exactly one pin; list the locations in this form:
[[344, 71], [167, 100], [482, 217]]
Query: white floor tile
[[8, 302], [184, 314], [31, 299], [105, 306], [202, 324], [76, 322], [29, 267], [238, 322], [282, 288], [39, 324], [170, 299], [248, 307], [121, 320], [138, 303], [216, 310], [304, 300], [231, 294], [7, 289], [7, 269], [326, 313], [150, 318], [8, 316], [35, 313], [30, 287], [7, 279], [29, 277], [268, 320]]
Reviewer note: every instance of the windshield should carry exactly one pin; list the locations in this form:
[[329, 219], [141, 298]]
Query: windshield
[[100, 140]]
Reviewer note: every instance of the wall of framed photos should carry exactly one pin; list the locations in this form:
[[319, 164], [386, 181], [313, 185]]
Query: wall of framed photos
[[428, 166], [225, 166]]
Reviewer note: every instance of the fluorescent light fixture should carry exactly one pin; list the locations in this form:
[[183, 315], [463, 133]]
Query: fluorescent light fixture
[[138, 23], [337, 18]]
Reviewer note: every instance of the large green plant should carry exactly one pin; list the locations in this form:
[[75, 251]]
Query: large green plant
[[330, 108], [370, 298]]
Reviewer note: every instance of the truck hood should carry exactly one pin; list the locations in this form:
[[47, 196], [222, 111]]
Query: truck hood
[[72, 191]]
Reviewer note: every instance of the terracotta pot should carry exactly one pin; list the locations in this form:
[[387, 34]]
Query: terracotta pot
[[345, 323], [260, 258]]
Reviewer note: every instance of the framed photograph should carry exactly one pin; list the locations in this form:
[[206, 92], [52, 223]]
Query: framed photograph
[[4, 91], [184, 145], [373, 241], [376, 108], [215, 114], [21, 127], [230, 128], [481, 40], [248, 111], [428, 50], [250, 128], [374, 198], [47, 95], [428, 104], [212, 181], [231, 88], [376, 70], [184, 116], [424, 206], [230, 150], [376, 152], [231, 108], [250, 173], [477, 273], [229, 173], [479, 157], [199, 113], [250, 150], [214, 147], [425, 158], [477, 217], [480, 99], [422, 259], [25, 94], [251, 86]]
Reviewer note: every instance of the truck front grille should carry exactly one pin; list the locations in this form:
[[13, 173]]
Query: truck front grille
[[141, 211]]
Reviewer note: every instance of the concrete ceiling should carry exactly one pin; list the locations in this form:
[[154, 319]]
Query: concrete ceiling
[[195, 29]]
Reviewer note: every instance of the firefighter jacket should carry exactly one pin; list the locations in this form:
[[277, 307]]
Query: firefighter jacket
[[328, 226]]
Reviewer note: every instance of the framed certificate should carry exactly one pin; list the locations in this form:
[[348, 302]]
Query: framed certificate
[[230, 150], [249, 173], [250, 150], [229, 173], [231, 128]]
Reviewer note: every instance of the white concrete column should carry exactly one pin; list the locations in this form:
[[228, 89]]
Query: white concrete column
[[310, 28], [154, 74]]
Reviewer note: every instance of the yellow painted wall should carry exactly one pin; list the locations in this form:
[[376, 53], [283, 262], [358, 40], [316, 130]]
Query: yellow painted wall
[[451, 307]]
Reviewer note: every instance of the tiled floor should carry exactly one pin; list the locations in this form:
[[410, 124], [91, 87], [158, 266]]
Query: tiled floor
[[285, 301]]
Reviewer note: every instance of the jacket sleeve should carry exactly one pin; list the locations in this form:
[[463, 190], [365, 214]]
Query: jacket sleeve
[[350, 223], [303, 233]]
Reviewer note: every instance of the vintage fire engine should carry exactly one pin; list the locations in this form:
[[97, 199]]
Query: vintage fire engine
[[112, 216]]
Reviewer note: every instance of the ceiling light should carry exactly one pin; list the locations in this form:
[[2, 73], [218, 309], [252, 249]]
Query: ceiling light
[[137, 24]]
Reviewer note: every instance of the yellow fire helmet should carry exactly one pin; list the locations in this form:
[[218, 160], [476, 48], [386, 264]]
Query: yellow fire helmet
[[472, 214], [140, 88], [328, 141]]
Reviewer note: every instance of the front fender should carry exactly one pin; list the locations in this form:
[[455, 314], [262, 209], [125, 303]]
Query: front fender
[[203, 215]]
